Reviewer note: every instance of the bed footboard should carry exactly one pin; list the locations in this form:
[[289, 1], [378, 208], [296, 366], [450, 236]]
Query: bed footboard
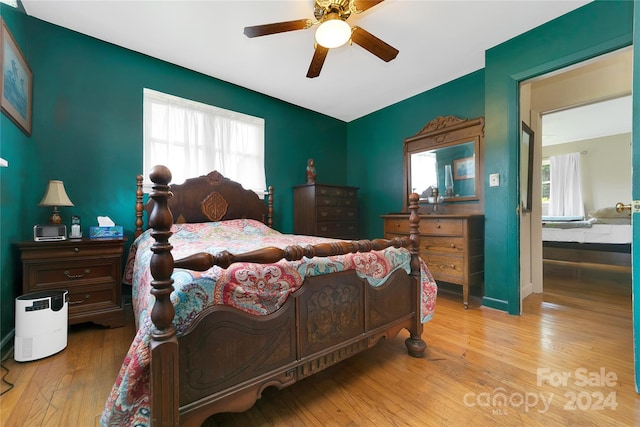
[[227, 358]]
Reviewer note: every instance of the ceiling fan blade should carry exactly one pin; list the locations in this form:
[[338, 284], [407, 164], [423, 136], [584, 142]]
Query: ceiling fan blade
[[317, 61], [277, 27], [373, 44], [362, 5]]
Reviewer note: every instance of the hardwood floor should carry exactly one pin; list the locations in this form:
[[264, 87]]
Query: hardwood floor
[[567, 360]]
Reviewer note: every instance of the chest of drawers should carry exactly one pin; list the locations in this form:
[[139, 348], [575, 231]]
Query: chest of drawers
[[90, 270], [325, 210], [451, 245]]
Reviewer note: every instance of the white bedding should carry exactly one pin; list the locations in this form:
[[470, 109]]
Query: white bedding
[[597, 233]]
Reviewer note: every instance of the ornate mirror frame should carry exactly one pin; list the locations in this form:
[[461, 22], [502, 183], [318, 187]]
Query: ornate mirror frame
[[449, 131]]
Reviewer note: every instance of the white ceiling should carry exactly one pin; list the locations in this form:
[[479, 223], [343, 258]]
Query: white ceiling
[[438, 41], [606, 118]]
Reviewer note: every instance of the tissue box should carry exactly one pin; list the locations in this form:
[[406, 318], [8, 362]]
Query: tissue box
[[96, 232]]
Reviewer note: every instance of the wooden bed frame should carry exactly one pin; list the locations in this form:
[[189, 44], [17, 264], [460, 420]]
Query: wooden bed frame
[[226, 358]]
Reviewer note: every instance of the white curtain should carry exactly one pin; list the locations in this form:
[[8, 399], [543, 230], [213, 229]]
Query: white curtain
[[565, 197], [194, 139]]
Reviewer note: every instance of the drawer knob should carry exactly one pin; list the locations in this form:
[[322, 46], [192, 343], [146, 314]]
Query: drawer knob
[[76, 249], [453, 245], [77, 276], [452, 266], [438, 226]]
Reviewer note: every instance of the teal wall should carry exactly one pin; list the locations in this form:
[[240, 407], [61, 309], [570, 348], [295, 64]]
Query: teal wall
[[16, 148], [376, 144], [87, 131], [594, 29]]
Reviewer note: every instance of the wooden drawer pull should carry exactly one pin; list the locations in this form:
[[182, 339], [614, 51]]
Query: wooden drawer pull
[[453, 245], [86, 297], [77, 276], [438, 226]]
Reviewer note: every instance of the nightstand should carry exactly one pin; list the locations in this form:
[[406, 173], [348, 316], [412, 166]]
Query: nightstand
[[89, 269]]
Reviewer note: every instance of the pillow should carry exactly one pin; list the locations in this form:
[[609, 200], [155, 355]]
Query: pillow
[[609, 213]]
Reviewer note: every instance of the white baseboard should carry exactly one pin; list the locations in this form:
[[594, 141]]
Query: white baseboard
[[526, 290]]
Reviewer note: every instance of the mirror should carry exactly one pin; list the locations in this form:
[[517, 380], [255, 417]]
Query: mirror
[[445, 155], [526, 167]]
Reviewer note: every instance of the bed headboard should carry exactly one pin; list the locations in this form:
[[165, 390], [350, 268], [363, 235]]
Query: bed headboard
[[207, 198]]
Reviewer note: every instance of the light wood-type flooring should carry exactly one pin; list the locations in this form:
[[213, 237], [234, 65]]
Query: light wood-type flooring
[[567, 361]]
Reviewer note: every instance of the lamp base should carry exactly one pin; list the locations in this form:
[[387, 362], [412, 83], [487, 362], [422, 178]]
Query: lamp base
[[55, 217]]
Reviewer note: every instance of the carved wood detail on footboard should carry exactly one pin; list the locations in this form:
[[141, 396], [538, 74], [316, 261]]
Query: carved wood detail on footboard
[[226, 358]]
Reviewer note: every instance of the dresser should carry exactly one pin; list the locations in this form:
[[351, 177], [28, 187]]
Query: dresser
[[325, 210], [452, 246], [89, 269]]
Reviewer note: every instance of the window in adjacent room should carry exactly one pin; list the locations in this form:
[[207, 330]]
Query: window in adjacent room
[[546, 184], [194, 139]]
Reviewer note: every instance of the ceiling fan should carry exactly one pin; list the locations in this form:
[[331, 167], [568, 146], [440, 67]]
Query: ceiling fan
[[333, 31]]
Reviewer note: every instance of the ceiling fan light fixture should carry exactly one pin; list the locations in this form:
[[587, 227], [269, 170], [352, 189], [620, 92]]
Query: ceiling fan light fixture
[[333, 32]]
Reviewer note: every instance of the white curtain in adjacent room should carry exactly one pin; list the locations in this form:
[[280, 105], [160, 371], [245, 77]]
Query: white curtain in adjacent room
[[565, 187]]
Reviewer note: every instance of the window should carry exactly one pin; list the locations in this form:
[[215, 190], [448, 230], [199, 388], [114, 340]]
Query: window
[[194, 139], [546, 180]]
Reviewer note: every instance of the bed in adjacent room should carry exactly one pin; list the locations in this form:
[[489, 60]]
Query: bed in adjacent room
[[226, 306], [602, 238]]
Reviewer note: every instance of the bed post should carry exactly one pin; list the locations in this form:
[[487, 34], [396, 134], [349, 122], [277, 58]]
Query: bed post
[[270, 207], [139, 206], [415, 344], [163, 345]]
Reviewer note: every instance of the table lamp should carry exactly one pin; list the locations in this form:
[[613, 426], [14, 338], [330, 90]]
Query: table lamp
[[55, 196]]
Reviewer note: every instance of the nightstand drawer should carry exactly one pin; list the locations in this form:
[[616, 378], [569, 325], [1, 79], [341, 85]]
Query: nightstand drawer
[[72, 273], [92, 298]]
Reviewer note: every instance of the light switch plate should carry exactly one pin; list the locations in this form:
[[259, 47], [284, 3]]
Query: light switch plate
[[494, 180]]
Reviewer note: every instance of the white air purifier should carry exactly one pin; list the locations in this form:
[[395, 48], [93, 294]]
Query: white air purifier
[[41, 324]]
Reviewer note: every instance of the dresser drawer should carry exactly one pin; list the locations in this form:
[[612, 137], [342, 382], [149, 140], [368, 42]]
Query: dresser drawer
[[444, 245], [337, 229], [327, 201], [330, 191], [337, 214], [48, 275], [446, 268], [448, 227]]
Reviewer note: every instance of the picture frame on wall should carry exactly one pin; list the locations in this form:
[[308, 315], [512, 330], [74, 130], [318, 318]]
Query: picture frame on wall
[[16, 81], [464, 168]]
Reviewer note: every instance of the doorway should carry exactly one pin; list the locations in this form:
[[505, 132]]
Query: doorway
[[605, 155]]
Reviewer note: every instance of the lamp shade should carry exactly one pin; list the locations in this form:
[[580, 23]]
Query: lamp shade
[[55, 195], [333, 32]]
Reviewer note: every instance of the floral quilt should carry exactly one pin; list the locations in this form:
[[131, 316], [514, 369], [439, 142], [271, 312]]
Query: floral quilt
[[253, 288]]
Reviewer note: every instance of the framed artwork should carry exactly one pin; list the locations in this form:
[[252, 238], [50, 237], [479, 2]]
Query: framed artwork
[[464, 168], [526, 167], [16, 82]]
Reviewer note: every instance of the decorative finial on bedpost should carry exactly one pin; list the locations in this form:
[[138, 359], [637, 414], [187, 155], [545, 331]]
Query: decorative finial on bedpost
[[163, 345], [415, 344]]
